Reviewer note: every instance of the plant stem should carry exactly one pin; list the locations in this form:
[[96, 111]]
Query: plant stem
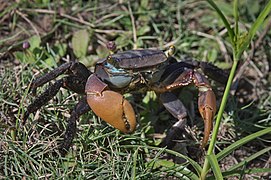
[[206, 165]]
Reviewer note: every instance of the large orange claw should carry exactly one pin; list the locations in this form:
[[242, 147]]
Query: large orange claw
[[111, 106], [207, 109]]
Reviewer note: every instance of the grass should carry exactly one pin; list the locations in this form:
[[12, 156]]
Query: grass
[[99, 151]]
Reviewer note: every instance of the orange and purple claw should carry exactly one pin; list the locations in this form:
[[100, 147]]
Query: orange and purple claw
[[111, 106]]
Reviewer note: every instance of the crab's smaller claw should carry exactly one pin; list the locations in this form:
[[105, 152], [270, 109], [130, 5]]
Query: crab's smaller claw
[[207, 109], [206, 104], [111, 106]]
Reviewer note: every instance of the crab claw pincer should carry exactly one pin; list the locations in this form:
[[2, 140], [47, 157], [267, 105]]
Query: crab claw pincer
[[111, 106], [206, 104], [207, 109]]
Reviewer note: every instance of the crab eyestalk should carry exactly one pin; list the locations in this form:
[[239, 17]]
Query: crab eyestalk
[[170, 52], [111, 106], [206, 104]]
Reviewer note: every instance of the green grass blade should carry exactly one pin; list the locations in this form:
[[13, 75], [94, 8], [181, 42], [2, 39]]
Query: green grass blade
[[255, 27], [240, 142], [180, 171], [238, 172], [186, 173], [133, 174], [247, 171], [224, 19], [215, 167], [250, 158], [259, 20], [236, 17], [195, 165]]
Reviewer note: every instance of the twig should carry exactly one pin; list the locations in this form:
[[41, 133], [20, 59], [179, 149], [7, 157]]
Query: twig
[[77, 20], [133, 25], [44, 11], [28, 21]]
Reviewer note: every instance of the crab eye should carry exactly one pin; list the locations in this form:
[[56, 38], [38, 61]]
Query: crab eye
[[170, 51], [112, 61]]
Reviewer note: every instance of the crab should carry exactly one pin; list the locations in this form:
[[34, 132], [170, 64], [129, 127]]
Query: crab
[[128, 71]]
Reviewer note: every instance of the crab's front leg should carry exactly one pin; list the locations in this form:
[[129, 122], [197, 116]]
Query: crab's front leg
[[206, 104], [206, 99], [111, 106]]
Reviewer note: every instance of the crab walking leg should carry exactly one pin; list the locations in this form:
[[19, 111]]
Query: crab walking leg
[[42, 99], [51, 75], [76, 68], [81, 108], [111, 106], [73, 83], [177, 109]]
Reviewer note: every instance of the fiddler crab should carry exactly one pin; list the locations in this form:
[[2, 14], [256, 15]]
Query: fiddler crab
[[121, 72]]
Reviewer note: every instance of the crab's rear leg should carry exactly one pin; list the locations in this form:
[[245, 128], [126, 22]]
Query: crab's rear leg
[[177, 110], [74, 83], [81, 108]]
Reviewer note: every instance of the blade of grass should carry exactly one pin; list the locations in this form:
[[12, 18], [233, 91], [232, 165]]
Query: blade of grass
[[195, 165], [224, 19], [238, 172], [133, 174], [183, 172], [236, 17], [255, 27], [215, 167], [240, 142], [250, 158], [180, 170]]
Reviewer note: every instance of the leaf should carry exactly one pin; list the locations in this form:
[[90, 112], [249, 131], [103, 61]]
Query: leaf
[[60, 49], [49, 62], [124, 40], [224, 19], [19, 56], [212, 55], [24, 57], [102, 51], [143, 30], [89, 61], [162, 162], [256, 25], [34, 42], [80, 42]]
